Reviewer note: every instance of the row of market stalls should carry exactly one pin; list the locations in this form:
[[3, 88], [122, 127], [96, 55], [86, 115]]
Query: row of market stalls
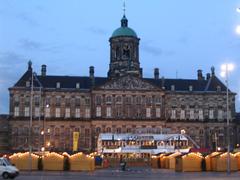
[[216, 161], [53, 161], [111, 144]]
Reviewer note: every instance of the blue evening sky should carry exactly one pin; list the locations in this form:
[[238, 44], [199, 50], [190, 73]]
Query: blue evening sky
[[177, 36]]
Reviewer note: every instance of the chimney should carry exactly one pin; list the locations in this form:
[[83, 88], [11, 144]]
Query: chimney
[[213, 70], [208, 76], [29, 65], [156, 73], [199, 74], [140, 72], [44, 70], [91, 75]]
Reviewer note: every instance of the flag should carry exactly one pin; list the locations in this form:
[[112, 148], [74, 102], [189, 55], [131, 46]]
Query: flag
[[75, 140]]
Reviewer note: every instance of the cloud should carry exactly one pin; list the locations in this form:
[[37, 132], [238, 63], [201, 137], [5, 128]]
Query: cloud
[[28, 44], [27, 18], [149, 47], [182, 40], [96, 30], [10, 64]]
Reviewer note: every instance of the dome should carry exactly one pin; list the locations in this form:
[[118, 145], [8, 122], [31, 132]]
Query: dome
[[124, 30]]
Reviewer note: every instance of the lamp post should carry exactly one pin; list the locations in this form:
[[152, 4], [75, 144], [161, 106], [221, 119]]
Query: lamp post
[[43, 131], [225, 69]]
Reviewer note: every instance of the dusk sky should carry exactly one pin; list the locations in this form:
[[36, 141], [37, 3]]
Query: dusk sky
[[177, 36]]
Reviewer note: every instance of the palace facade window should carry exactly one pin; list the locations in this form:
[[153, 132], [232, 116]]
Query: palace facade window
[[77, 113], [200, 114], [98, 100], [211, 114], [16, 111], [98, 112], [87, 113], [192, 114], [67, 113], [158, 112], [57, 112], [182, 114], [220, 114], [37, 112], [148, 112], [173, 114], [109, 112], [26, 112]]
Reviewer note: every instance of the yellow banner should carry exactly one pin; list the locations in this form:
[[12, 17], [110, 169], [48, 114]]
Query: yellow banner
[[75, 140]]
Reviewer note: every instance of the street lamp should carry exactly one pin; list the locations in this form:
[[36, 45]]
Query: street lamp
[[225, 69]]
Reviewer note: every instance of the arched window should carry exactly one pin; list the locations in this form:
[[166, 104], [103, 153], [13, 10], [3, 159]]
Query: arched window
[[108, 130], [98, 130], [128, 100], [98, 100], [57, 131], [108, 99], [138, 100], [129, 130], [119, 130], [119, 100]]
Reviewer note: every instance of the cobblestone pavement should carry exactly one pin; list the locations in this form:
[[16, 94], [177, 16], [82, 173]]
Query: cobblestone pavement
[[133, 174]]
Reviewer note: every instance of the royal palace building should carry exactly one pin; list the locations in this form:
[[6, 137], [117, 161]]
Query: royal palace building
[[123, 102]]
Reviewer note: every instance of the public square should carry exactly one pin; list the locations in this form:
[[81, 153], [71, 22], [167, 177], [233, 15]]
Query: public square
[[133, 173]]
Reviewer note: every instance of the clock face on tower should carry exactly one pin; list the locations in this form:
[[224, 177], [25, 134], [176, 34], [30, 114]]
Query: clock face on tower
[[126, 51]]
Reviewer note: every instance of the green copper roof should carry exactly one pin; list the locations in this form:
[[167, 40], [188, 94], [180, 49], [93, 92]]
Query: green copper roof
[[124, 31]]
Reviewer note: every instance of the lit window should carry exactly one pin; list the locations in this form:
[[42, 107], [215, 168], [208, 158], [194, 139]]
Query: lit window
[[16, 111], [158, 112], [109, 112], [182, 114], [191, 113], [58, 101], [118, 111], [58, 113], [158, 100], [172, 88], [87, 101], [119, 100], [77, 85], [26, 111], [87, 113], [98, 100], [109, 100], [211, 114], [27, 84], [98, 112], [77, 112], [173, 114], [47, 112], [77, 101], [190, 88], [200, 114], [138, 100], [148, 112], [220, 114], [37, 112], [58, 85], [67, 113], [128, 100]]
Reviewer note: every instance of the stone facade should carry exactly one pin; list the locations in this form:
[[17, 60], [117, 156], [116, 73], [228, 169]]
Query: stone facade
[[120, 103], [4, 132]]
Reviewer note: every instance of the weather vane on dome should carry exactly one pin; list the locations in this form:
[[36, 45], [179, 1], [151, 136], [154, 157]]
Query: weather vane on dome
[[124, 7]]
